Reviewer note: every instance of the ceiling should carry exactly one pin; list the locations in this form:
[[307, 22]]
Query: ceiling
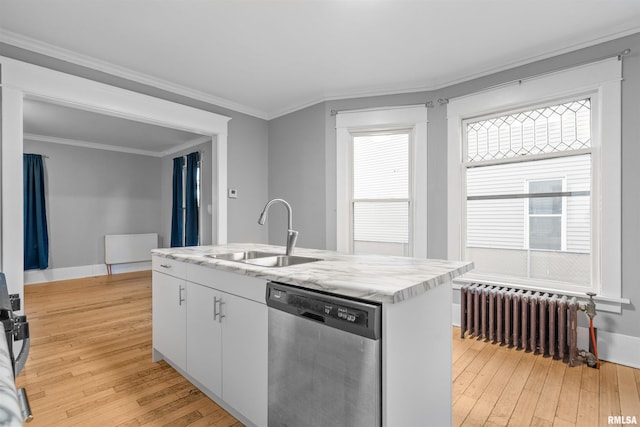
[[270, 57], [48, 122]]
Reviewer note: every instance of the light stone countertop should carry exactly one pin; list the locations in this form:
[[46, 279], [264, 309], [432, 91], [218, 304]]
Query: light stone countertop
[[378, 278]]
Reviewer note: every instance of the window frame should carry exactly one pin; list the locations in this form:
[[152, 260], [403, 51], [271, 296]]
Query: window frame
[[410, 193], [413, 118], [198, 198], [601, 81], [562, 215]]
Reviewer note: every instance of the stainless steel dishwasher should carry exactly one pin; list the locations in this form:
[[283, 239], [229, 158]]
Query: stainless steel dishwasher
[[324, 359]]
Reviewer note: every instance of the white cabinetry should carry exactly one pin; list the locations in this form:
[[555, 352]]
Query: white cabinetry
[[204, 336], [215, 331], [244, 352], [169, 317]]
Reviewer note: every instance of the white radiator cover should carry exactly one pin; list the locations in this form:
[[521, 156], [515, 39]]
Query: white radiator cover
[[126, 248]]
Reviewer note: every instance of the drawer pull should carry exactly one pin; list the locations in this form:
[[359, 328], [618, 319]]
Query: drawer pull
[[165, 265], [180, 297], [217, 309]]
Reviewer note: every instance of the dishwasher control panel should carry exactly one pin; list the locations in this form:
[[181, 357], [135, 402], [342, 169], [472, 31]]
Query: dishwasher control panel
[[355, 316]]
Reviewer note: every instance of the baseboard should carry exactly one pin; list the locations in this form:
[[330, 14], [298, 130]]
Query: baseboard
[[618, 348], [54, 274], [612, 347]]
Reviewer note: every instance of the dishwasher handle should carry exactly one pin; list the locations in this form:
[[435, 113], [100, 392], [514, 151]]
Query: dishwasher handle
[[358, 317], [312, 316]]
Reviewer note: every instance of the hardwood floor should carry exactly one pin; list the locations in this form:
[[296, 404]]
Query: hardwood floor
[[498, 386], [90, 365], [90, 359]]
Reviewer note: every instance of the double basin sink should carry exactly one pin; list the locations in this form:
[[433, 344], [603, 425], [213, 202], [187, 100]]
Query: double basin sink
[[263, 259]]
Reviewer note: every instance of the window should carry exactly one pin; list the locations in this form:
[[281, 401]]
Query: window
[[521, 220], [534, 182], [546, 230], [381, 179], [381, 214], [185, 213]]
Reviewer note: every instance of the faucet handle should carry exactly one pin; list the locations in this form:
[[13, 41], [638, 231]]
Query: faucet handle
[[292, 237]]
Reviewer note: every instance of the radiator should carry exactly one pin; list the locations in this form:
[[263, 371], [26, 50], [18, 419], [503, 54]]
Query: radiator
[[535, 322], [128, 248]]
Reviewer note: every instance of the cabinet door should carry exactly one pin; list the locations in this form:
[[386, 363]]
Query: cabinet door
[[204, 354], [169, 317], [244, 356]]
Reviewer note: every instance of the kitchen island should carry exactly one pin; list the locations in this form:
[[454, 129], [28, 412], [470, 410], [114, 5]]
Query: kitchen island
[[190, 286]]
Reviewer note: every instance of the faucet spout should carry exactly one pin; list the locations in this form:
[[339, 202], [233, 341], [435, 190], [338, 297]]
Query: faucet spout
[[292, 235]]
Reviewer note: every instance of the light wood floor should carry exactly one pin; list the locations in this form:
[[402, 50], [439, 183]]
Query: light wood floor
[[90, 365], [90, 359], [498, 386]]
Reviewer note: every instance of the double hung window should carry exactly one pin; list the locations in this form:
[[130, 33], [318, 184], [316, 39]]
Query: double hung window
[[380, 202], [528, 201], [534, 184], [381, 178]]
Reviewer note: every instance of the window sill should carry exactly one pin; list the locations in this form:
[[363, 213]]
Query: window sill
[[603, 303]]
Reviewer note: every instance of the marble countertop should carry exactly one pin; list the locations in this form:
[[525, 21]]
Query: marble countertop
[[386, 279]]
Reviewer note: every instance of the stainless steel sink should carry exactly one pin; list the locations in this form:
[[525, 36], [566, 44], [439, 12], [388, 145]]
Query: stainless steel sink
[[280, 260], [242, 256]]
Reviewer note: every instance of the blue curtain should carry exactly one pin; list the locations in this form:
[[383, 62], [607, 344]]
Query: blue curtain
[[177, 222], [191, 200], [36, 239]]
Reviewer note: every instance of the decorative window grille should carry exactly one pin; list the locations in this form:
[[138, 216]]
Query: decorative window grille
[[551, 129]]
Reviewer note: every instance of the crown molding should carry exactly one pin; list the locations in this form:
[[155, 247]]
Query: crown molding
[[87, 144], [109, 68], [463, 78], [70, 56]]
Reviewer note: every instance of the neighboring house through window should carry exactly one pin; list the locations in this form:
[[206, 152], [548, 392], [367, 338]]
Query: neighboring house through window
[[534, 182], [546, 224]]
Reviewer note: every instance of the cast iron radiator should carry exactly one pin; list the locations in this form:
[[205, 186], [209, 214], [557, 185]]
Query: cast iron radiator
[[535, 322]]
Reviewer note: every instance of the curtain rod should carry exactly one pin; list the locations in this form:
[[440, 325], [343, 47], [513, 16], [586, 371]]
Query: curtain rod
[[619, 55], [445, 101], [428, 104]]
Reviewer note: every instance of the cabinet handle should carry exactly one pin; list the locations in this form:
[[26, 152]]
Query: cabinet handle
[[180, 297], [220, 315], [165, 265], [217, 309]]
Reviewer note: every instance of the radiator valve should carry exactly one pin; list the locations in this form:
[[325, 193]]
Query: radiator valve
[[588, 357], [590, 306]]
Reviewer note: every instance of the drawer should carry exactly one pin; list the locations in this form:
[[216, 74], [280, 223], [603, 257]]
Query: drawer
[[232, 283], [169, 266]]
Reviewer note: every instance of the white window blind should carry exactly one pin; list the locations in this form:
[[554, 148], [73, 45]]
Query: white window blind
[[380, 203]]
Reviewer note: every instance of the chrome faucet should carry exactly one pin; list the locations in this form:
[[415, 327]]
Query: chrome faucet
[[292, 235]]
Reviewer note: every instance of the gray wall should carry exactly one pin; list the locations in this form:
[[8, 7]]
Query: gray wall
[[306, 128], [297, 174], [248, 173], [301, 160], [91, 193]]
